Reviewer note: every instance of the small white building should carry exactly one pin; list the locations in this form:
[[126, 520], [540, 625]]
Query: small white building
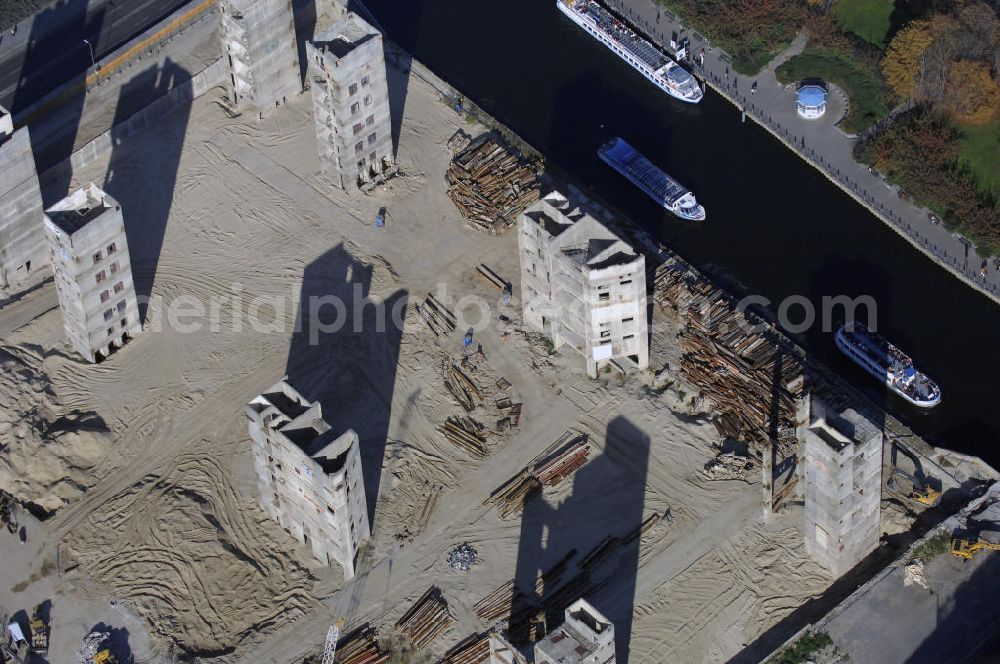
[[842, 458], [581, 285], [347, 76], [309, 478], [810, 101], [93, 272], [586, 637]]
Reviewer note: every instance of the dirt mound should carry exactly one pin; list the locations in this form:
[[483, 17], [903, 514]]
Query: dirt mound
[[45, 451], [194, 560]]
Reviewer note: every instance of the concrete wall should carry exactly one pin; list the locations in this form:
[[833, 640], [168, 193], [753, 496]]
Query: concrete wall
[[258, 39], [93, 275], [351, 102], [24, 252]]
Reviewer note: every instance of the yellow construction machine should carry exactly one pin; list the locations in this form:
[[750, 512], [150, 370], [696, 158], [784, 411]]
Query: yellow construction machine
[[964, 548], [920, 490], [105, 657]]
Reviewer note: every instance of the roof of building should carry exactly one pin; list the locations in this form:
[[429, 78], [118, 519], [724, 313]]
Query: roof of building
[[811, 95], [80, 208], [345, 35], [283, 409], [580, 235]]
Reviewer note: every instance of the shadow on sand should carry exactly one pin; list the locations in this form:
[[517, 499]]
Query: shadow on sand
[[344, 354]]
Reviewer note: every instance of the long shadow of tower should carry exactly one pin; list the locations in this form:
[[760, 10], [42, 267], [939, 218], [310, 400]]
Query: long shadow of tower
[[606, 500]]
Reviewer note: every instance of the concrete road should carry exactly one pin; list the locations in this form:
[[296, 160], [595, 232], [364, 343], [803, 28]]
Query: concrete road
[[48, 50]]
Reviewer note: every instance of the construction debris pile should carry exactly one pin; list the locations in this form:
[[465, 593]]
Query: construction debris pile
[[427, 619], [473, 649], [462, 557], [95, 642], [360, 647], [478, 391], [734, 359], [491, 183], [560, 460], [8, 512]]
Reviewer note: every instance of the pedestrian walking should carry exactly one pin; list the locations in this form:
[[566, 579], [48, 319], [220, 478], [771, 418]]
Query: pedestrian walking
[[753, 88], [727, 72]]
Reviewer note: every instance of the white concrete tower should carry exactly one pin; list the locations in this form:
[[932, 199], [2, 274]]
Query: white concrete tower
[[309, 478], [351, 103], [24, 252], [93, 273]]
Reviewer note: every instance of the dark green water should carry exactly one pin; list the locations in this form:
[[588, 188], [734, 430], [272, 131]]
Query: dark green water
[[775, 226]]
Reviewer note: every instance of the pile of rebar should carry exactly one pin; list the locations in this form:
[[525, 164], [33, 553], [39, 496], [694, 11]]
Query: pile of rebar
[[360, 647], [491, 183], [462, 387], [510, 497], [473, 649], [732, 357], [467, 434], [551, 468], [427, 619], [438, 317], [496, 605]]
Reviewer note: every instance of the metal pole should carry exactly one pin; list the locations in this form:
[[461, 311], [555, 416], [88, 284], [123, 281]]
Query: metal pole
[[91, 49]]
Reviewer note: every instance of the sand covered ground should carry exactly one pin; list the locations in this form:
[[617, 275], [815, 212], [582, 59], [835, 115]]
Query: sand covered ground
[[157, 499]]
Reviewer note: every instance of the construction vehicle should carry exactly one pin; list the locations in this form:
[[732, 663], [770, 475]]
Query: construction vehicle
[[920, 490], [964, 548], [39, 632], [332, 636], [105, 657]]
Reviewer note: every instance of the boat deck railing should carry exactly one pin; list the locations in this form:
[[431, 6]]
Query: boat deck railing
[[632, 42]]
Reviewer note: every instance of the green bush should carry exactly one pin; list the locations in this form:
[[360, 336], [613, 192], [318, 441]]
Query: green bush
[[867, 100], [804, 648]]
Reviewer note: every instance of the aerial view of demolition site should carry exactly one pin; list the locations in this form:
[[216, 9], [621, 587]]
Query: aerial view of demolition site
[[311, 361]]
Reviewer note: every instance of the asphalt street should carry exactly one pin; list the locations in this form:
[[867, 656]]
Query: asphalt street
[[49, 50]]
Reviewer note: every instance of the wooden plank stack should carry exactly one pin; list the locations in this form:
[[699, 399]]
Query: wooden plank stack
[[732, 357], [491, 183], [510, 497], [496, 605], [427, 619], [462, 387], [360, 647], [438, 317], [466, 434], [473, 649]]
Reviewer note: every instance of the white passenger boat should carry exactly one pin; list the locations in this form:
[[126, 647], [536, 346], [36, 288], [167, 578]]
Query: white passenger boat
[[888, 364]]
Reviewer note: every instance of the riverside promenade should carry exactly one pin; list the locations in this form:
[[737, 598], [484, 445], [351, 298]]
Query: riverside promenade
[[819, 142]]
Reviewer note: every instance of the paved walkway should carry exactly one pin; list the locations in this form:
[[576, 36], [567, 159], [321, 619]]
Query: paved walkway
[[820, 142]]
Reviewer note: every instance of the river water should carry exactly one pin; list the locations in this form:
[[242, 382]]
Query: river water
[[775, 227]]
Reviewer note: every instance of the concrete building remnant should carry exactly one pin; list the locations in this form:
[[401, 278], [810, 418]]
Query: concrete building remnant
[[93, 271], [582, 285], [258, 40], [586, 637], [23, 249], [309, 478], [351, 103], [843, 478]]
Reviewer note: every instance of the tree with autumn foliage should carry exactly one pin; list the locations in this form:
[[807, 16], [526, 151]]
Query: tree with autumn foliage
[[972, 94], [901, 64]]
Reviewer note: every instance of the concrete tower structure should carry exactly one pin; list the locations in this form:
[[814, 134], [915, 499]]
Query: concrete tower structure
[[842, 456], [351, 103], [258, 40], [93, 273], [581, 285], [24, 252], [309, 478], [586, 637]]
